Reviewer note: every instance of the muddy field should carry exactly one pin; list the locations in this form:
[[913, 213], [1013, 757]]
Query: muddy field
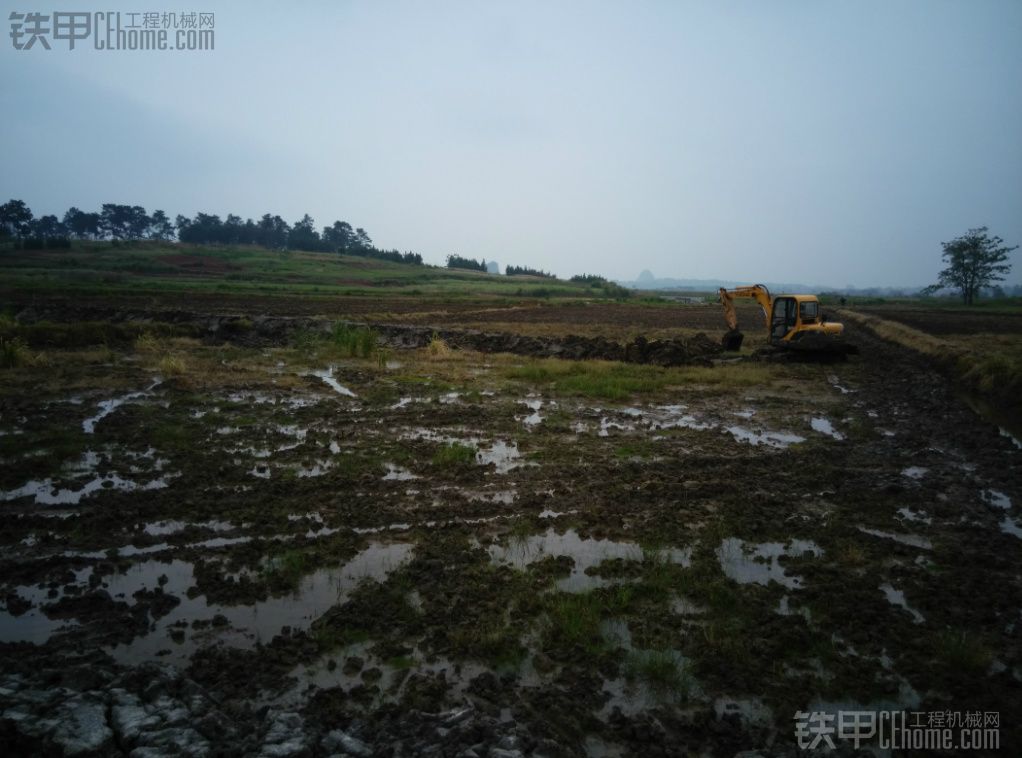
[[327, 547], [947, 321]]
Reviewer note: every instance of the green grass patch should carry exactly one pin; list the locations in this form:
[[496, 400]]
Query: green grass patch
[[454, 455], [662, 672], [355, 342], [574, 622], [287, 568], [962, 651], [609, 380]]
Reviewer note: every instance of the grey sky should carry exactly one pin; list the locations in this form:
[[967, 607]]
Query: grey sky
[[822, 142]]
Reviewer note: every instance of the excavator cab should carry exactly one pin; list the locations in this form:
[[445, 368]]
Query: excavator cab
[[784, 317], [795, 316]]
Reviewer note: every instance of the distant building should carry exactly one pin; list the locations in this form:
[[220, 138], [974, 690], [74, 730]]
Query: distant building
[[493, 267]]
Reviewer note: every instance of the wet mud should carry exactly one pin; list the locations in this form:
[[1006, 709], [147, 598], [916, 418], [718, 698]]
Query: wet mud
[[301, 556]]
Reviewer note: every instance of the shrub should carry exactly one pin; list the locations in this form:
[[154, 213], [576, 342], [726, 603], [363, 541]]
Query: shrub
[[14, 353]]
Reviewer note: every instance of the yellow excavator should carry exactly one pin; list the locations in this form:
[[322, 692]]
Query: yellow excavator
[[794, 322]]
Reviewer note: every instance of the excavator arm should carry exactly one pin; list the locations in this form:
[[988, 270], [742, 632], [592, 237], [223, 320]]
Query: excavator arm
[[757, 292]]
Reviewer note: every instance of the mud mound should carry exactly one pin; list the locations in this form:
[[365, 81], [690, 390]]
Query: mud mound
[[265, 331], [672, 352]]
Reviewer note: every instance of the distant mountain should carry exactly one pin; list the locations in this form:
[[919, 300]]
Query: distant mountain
[[647, 281]]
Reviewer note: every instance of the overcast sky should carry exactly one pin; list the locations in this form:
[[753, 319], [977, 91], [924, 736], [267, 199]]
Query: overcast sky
[[830, 143]]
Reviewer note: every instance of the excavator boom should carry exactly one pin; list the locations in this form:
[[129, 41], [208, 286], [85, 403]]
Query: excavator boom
[[733, 339]]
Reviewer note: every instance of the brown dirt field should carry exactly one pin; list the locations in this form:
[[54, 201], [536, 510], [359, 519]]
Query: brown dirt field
[[204, 263], [942, 321], [554, 318]]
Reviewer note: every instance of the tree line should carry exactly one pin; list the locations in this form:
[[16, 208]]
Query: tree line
[[131, 223], [526, 271]]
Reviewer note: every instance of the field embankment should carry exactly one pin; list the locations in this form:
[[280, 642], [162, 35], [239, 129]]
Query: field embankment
[[986, 360]]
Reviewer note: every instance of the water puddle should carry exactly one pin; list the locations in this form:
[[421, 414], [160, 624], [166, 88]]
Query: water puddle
[[398, 474], [106, 407], [318, 468], [327, 376], [912, 540], [497, 497], [897, 598], [533, 418], [779, 440], [459, 435], [292, 400], [654, 418], [784, 609], [587, 553], [1015, 440], [162, 528], [32, 625], [675, 417], [915, 472], [45, 492], [503, 456], [918, 516], [823, 426], [835, 383], [336, 670], [405, 401], [759, 564], [244, 624], [1011, 526], [751, 711], [906, 699], [996, 499], [606, 425]]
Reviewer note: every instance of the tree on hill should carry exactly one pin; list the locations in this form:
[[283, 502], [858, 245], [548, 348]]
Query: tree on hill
[[84, 226], [160, 227], [362, 240], [303, 235], [15, 219], [593, 280], [131, 222], [48, 227], [526, 271], [975, 260], [271, 232], [340, 237], [456, 261], [123, 222]]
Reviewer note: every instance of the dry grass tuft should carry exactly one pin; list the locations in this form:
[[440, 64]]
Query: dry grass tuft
[[438, 349], [172, 365]]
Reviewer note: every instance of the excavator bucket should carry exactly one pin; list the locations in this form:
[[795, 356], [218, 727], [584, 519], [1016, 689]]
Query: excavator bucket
[[732, 340]]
